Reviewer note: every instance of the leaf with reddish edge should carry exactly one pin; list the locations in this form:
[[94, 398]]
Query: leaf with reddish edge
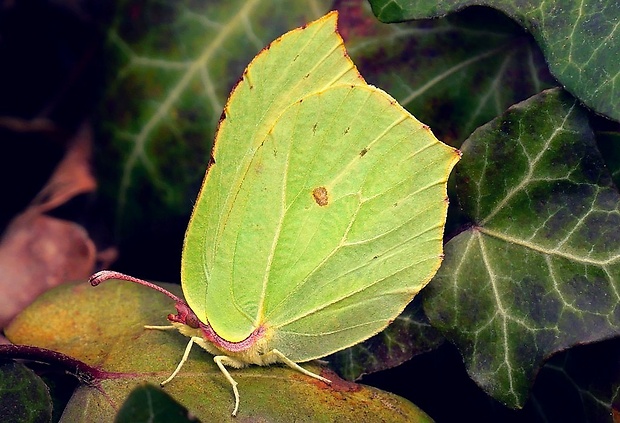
[[103, 329], [86, 374]]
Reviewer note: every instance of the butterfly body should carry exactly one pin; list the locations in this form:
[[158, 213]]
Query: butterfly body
[[252, 350]]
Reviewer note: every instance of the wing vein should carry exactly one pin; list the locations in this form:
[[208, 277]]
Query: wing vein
[[276, 237], [361, 289]]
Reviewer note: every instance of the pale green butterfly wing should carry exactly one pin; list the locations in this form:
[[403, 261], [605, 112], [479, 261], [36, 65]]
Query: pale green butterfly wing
[[342, 271], [301, 62], [323, 214]]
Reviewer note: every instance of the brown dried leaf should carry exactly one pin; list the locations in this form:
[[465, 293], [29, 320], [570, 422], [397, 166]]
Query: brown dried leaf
[[73, 175], [38, 252]]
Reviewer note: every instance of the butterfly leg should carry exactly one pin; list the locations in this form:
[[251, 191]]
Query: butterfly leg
[[167, 327], [222, 361], [283, 359], [183, 360]]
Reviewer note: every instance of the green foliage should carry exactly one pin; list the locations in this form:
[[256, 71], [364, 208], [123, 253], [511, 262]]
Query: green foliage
[[118, 355], [24, 397], [579, 39], [179, 61], [160, 407], [455, 73], [530, 271], [539, 263]]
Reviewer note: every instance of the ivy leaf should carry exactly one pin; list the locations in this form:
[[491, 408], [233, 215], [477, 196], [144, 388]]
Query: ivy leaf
[[454, 74], [24, 397], [408, 335], [150, 404], [537, 271], [101, 331], [579, 39]]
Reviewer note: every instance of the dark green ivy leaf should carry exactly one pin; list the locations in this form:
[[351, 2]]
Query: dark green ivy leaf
[[409, 335], [149, 404], [24, 397], [455, 73], [579, 39], [537, 271]]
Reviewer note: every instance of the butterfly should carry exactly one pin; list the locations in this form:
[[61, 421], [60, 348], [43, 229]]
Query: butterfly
[[320, 217]]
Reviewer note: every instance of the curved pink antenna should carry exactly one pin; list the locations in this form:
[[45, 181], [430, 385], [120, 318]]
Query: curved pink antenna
[[105, 275]]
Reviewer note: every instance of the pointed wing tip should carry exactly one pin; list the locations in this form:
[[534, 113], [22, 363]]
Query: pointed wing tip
[[330, 18], [332, 15]]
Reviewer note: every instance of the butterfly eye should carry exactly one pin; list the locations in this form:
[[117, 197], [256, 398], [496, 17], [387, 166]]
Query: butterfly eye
[[192, 321]]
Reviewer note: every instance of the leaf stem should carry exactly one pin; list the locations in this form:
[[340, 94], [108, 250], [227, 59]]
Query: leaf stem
[[85, 373]]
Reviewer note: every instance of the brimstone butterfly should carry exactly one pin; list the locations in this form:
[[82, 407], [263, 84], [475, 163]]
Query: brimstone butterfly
[[320, 217]]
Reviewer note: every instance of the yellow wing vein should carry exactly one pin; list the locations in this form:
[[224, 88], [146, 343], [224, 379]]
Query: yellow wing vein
[[333, 332], [381, 235], [276, 237]]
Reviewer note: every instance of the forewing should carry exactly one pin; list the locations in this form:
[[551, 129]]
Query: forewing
[[230, 237]]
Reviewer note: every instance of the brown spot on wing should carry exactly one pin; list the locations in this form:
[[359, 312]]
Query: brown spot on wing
[[320, 196]]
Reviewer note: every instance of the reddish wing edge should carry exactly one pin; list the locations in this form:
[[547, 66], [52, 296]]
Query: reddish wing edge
[[184, 315]]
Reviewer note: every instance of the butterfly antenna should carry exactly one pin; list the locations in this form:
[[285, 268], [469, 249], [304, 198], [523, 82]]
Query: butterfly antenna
[[104, 275]]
